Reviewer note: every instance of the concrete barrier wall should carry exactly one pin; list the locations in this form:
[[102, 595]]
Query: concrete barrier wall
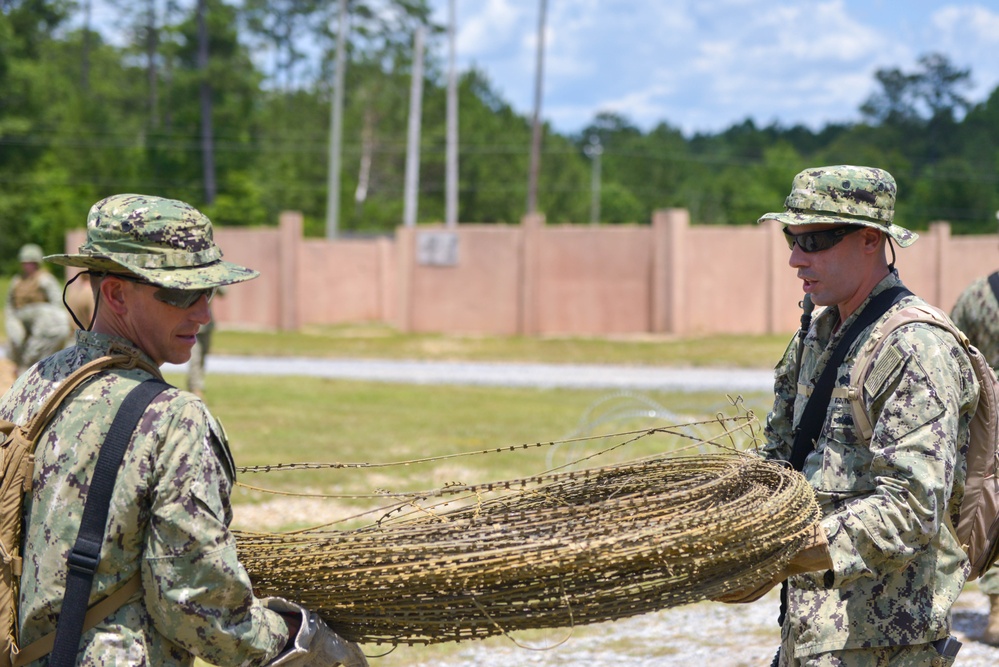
[[669, 277]]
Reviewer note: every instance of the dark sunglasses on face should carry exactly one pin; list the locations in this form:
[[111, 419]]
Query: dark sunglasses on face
[[179, 298], [816, 241]]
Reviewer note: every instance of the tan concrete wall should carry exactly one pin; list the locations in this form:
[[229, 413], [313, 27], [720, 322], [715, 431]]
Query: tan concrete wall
[[669, 277], [594, 281]]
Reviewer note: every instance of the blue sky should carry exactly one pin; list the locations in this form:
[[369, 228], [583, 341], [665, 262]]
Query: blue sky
[[703, 65]]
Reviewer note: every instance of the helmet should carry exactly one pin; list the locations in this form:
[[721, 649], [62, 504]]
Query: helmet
[[163, 241], [845, 195], [30, 252]]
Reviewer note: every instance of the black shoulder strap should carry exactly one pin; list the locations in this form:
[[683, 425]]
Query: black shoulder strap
[[814, 413], [812, 417], [994, 284], [86, 553]]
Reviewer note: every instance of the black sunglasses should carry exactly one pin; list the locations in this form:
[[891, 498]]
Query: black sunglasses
[[816, 241], [179, 298]]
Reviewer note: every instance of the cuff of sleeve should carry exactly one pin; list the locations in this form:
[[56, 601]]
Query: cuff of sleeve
[[298, 645], [848, 565]]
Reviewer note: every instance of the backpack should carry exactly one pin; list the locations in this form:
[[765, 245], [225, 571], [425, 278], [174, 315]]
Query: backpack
[[977, 529], [17, 463]]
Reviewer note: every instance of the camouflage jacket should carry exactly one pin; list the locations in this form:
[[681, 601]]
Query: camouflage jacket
[[169, 520], [976, 313], [897, 568], [40, 287]]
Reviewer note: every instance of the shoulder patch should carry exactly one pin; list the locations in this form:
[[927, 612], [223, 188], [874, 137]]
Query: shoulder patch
[[888, 360]]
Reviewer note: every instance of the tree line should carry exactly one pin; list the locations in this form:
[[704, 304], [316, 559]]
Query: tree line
[[227, 106]]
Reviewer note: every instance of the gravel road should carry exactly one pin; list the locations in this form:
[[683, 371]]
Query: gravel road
[[575, 376], [707, 633]]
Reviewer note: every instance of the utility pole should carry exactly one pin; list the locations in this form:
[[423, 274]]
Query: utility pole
[[594, 150], [336, 128], [413, 135], [532, 179], [205, 104], [451, 168]]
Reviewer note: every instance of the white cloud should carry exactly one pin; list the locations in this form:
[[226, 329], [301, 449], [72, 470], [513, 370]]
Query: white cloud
[[704, 65]]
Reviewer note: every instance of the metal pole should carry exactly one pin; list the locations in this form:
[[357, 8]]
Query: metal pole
[[594, 150], [336, 128], [532, 179], [451, 186], [413, 136]]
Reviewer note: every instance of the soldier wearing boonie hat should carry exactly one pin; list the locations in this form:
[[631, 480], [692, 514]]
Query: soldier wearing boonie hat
[[155, 266], [35, 322], [163, 241], [875, 584], [844, 195]]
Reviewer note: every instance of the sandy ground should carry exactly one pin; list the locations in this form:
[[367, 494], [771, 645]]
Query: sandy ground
[[8, 373], [701, 634]]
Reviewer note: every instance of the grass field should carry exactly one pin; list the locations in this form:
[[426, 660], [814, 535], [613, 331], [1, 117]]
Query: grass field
[[378, 341], [276, 420]]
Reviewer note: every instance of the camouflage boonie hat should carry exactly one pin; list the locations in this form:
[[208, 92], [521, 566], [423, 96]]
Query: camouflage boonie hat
[[844, 195], [30, 252], [164, 241]]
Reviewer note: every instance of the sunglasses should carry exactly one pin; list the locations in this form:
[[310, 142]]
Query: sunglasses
[[178, 298], [817, 241]]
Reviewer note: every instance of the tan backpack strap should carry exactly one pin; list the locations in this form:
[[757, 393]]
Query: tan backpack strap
[[872, 346], [125, 358], [95, 614]]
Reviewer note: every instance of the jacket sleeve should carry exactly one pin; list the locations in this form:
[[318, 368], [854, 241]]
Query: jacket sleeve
[[196, 590]]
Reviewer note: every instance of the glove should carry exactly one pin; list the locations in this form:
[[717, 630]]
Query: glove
[[812, 556], [315, 645]]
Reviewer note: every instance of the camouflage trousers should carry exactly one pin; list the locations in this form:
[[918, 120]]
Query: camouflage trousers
[[989, 582], [36, 331], [919, 655], [196, 366]]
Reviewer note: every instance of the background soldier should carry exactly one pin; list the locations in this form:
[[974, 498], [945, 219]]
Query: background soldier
[[37, 324], [976, 313]]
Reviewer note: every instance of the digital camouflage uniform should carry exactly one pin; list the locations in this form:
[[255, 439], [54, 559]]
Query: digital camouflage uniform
[[169, 520], [897, 568], [976, 313], [36, 323], [170, 509]]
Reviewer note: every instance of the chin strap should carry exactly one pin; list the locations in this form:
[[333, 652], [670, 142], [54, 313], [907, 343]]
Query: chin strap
[[93, 317]]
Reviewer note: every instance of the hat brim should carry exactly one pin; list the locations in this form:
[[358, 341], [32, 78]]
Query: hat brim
[[214, 274], [902, 236]]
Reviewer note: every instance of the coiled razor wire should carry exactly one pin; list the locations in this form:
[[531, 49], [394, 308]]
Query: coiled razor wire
[[560, 549]]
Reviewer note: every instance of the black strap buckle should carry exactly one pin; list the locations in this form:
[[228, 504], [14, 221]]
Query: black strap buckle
[[82, 561]]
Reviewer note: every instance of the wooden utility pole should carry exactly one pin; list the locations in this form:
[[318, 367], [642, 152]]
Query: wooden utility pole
[[451, 186], [336, 128], [411, 199], [205, 94], [532, 179], [594, 150]]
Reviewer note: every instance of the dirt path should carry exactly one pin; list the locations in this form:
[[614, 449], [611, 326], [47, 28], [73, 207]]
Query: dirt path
[[701, 634]]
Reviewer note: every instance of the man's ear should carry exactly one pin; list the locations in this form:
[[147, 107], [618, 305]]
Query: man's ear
[[113, 295], [873, 239]]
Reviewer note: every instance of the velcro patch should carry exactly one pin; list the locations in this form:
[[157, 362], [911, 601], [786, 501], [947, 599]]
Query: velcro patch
[[889, 359]]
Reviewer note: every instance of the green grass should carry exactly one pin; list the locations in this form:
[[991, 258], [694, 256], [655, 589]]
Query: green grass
[[381, 341], [272, 420]]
